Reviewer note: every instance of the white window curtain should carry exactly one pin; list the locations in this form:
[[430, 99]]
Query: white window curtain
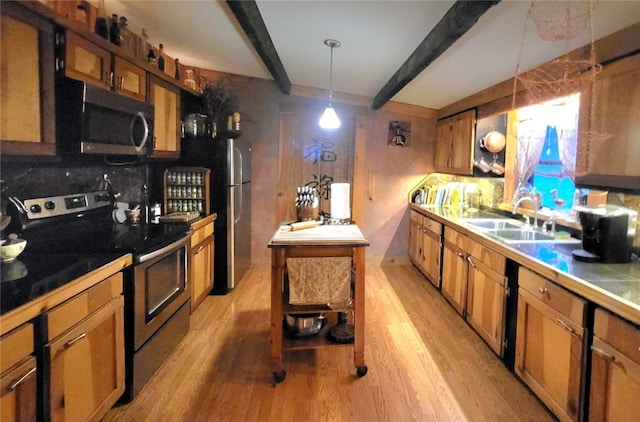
[[532, 132], [565, 119]]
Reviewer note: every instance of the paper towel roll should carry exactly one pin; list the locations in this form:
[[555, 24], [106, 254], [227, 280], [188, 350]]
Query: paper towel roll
[[340, 201]]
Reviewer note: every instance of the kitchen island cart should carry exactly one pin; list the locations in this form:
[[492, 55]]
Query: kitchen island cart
[[316, 247]]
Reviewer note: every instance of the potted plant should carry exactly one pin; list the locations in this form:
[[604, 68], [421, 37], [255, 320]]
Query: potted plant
[[219, 103]]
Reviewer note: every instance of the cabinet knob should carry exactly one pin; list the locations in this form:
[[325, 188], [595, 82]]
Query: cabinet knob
[[460, 254], [542, 290]]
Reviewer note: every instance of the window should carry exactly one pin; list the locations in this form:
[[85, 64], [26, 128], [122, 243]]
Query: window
[[547, 141]]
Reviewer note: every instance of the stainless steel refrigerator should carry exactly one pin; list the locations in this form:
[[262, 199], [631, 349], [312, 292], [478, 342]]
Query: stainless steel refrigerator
[[230, 163]]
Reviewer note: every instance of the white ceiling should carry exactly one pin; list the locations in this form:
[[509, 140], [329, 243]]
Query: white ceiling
[[377, 37]]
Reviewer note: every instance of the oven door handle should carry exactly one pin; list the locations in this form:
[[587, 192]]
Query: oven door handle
[[159, 252]]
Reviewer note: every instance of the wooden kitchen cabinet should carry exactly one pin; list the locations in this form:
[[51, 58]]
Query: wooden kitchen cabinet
[[550, 343], [425, 246], [84, 372], [165, 99], [415, 239], [615, 369], [455, 137], [615, 161], [474, 282], [84, 60], [455, 269], [88, 62], [27, 98], [129, 79], [201, 272], [431, 249], [487, 295], [18, 375]]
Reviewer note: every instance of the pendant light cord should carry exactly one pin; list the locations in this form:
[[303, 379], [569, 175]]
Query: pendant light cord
[[331, 44], [331, 76]]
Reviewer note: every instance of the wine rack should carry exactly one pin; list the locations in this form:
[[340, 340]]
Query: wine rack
[[187, 189]]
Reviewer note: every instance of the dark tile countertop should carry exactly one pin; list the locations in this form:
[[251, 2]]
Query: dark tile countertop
[[613, 286], [31, 276], [622, 280]]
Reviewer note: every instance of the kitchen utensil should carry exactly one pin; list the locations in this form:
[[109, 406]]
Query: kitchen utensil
[[495, 167], [300, 225], [482, 165], [12, 247], [13, 270], [493, 141], [302, 325], [133, 216]]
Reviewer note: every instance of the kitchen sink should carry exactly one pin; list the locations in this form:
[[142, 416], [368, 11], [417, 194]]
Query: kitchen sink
[[527, 235], [493, 223]]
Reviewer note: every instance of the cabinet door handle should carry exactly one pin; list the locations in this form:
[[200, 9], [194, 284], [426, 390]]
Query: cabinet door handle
[[565, 326], [542, 290], [74, 341], [200, 249], [460, 254], [604, 354], [121, 83], [471, 262], [20, 380]]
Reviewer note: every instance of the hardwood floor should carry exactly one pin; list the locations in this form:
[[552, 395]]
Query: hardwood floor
[[425, 364]]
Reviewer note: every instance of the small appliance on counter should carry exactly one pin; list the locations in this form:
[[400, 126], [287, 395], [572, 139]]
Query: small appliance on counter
[[608, 232]]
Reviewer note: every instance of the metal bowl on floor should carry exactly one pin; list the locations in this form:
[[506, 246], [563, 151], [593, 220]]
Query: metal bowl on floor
[[302, 325]]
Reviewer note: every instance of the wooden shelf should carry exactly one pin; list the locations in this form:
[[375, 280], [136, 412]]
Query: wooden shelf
[[291, 342]]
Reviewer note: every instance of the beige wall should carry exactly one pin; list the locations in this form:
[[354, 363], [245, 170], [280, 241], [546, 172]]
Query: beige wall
[[395, 170]]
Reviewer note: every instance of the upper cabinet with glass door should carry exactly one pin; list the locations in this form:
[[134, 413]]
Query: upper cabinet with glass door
[[608, 153], [83, 60], [27, 124]]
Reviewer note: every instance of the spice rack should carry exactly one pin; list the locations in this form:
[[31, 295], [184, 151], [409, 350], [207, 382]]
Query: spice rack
[[187, 189]]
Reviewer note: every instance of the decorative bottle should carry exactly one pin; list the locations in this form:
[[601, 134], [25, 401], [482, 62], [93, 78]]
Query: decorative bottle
[[102, 25], [114, 31], [151, 57], [127, 36], [161, 58], [177, 71]]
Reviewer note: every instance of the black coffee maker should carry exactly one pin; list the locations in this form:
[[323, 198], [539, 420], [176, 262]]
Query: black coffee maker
[[608, 233]]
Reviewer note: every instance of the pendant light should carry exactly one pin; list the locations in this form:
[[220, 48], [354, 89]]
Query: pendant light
[[329, 119]]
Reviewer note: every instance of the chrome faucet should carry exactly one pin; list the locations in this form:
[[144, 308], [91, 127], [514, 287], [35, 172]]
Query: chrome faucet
[[532, 201]]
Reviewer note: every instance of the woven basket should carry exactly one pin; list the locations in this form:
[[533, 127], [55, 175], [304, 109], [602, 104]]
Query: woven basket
[[558, 78]]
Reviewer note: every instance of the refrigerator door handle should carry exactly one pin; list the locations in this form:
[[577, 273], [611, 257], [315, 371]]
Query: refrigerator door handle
[[238, 212], [238, 164]]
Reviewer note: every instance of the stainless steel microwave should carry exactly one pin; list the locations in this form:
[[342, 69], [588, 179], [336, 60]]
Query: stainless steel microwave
[[93, 120]]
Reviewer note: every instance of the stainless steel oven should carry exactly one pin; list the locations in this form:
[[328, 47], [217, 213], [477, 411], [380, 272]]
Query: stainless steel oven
[[158, 297], [159, 288]]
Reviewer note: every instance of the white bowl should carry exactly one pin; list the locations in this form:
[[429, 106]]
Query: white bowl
[[11, 251]]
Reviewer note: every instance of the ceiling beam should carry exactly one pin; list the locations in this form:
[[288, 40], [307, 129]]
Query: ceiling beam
[[248, 16], [455, 23]]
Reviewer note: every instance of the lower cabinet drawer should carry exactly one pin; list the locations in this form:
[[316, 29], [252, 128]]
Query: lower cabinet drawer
[[561, 300], [64, 316], [620, 334], [84, 367], [18, 392]]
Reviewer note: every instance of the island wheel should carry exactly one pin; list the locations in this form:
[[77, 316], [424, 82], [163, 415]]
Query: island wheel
[[279, 376], [361, 371]]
